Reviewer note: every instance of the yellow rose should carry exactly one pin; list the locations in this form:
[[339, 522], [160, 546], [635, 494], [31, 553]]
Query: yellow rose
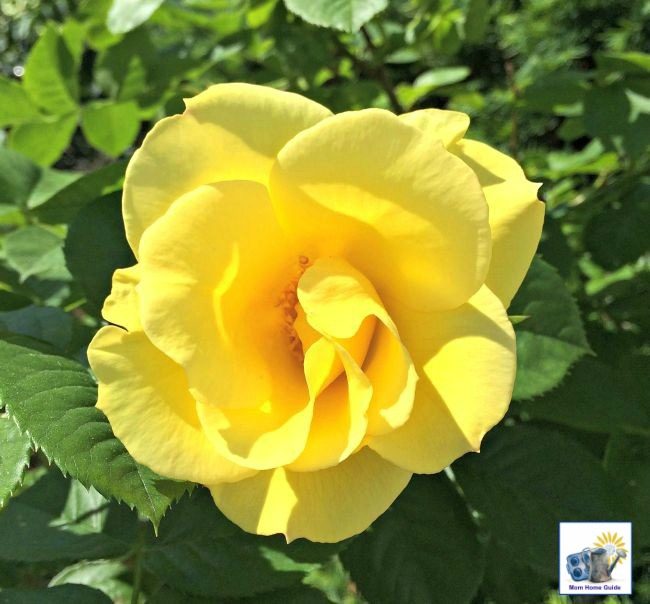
[[318, 307]]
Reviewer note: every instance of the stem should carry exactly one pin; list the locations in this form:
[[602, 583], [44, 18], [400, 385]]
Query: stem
[[137, 566], [137, 576], [88, 514], [514, 116], [381, 72]]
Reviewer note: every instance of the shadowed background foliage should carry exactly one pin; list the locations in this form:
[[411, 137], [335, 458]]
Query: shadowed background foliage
[[561, 85]]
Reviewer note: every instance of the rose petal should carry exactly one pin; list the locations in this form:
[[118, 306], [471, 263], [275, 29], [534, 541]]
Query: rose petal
[[229, 132], [209, 297], [392, 374], [327, 506], [337, 299], [265, 437], [145, 397], [339, 424], [516, 215], [466, 361], [122, 306], [405, 212], [443, 125]]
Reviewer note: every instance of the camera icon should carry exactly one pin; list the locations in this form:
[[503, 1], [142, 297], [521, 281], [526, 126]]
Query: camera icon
[[578, 565]]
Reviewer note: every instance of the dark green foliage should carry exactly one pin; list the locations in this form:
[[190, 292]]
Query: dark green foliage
[[96, 246], [14, 457], [551, 338], [200, 552], [425, 549], [64, 594], [561, 85], [515, 479], [49, 521], [52, 400]]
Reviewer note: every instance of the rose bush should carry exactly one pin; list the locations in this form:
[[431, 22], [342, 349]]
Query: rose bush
[[318, 308]]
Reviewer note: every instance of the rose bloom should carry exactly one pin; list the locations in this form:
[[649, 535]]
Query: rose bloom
[[318, 306]]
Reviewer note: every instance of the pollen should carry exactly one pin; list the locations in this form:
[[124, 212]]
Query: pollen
[[288, 303]]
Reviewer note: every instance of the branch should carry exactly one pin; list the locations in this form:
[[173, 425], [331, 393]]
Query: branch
[[374, 70]]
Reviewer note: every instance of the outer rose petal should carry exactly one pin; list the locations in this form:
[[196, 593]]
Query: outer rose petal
[[122, 305], [516, 215], [405, 212], [228, 132], [467, 360], [446, 126], [144, 395], [327, 506], [491, 166]]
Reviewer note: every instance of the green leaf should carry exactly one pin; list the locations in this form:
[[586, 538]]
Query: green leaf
[[404, 56], [135, 69], [555, 249], [591, 160], [424, 549], [56, 519], [49, 184], [592, 397], [63, 205], [96, 245], [18, 177], [110, 127], [409, 94], [627, 457], [63, 594], [619, 117], [15, 105], [12, 301], [618, 234], [45, 323], [200, 552], [510, 581], [24, 184], [558, 93], [126, 15], [446, 29], [258, 15], [53, 400], [34, 250], [14, 457], [301, 594], [477, 18], [103, 575], [74, 35], [346, 15], [552, 338], [527, 479], [51, 73], [624, 62], [45, 140], [572, 128]]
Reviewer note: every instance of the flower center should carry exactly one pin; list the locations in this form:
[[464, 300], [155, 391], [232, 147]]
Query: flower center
[[287, 302]]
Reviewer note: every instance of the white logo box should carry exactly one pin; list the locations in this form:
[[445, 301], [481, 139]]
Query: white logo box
[[575, 538]]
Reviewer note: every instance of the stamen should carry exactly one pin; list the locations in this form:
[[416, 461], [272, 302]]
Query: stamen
[[287, 302]]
